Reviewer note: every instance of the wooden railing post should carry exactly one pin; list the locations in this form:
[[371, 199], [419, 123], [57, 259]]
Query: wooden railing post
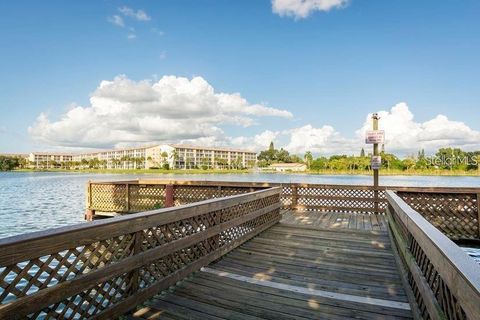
[[127, 197], [134, 275], [294, 197], [89, 212], [169, 200], [478, 214]]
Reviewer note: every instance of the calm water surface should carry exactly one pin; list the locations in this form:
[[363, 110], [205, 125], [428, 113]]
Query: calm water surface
[[34, 201]]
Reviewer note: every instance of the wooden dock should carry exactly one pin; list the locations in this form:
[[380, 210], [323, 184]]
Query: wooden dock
[[250, 251], [320, 268]]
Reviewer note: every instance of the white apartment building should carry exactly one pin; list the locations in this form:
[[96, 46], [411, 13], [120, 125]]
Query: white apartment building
[[131, 158], [189, 157], [175, 156], [48, 159]]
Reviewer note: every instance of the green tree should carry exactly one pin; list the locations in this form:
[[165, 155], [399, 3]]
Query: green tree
[[308, 157], [174, 156], [408, 163], [8, 163], [362, 153]]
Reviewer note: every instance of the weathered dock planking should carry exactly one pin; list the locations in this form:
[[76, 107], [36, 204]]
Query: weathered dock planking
[[293, 271], [228, 251]]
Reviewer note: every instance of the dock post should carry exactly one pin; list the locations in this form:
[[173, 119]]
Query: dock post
[[478, 213], [294, 197], [127, 198], [169, 201], [375, 118], [89, 213]]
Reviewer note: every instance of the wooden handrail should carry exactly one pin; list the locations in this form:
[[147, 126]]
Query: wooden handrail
[[446, 278], [278, 184], [104, 268]]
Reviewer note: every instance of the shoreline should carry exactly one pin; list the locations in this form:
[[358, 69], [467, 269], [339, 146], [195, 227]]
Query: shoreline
[[235, 171]]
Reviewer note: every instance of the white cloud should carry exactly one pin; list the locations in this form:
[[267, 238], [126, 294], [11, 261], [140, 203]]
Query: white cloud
[[323, 140], [404, 135], [124, 111], [131, 36], [116, 20], [175, 109], [139, 15], [303, 8]]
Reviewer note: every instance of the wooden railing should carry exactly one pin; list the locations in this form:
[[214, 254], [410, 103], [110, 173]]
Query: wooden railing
[[445, 281], [455, 211], [138, 195], [105, 268]]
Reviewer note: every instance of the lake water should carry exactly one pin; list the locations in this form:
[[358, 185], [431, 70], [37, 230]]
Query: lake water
[[34, 201]]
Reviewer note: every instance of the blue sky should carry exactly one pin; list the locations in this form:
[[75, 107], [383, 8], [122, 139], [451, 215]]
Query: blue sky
[[416, 60]]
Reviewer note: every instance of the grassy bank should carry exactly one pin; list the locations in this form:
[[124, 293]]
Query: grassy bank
[[383, 172]]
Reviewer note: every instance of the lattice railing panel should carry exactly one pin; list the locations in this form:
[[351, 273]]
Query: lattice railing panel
[[168, 265], [87, 303], [146, 197], [286, 196], [456, 215], [28, 277], [109, 261], [331, 199], [108, 197], [306, 197], [184, 194], [162, 234], [440, 289]]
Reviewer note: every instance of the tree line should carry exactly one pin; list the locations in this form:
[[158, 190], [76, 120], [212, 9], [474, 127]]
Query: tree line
[[452, 159], [444, 159]]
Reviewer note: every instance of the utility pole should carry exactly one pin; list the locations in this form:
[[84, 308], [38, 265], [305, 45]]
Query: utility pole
[[375, 119]]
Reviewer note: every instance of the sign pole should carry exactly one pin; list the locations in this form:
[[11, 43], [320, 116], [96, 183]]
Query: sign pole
[[375, 119]]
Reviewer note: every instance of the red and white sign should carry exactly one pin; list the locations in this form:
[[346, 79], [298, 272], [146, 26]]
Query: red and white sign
[[375, 137]]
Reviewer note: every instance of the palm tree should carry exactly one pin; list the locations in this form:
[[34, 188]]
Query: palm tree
[[174, 157], [308, 157]]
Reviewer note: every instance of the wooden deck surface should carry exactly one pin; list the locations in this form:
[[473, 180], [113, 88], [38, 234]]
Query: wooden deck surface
[[294, 270], [336, 220]]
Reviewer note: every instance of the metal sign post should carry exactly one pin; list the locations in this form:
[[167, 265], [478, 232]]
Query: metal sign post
[[375, 137]]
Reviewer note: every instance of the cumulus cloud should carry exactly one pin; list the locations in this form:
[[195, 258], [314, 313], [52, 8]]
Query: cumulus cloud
[[123, 111], [403, 134], [303, 8], [257, 142], [138, 15], [323, 140]]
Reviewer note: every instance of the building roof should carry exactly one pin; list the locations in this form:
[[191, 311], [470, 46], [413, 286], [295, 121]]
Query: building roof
[[186, 146], [287, 165], [50, 153], [115, 150]]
